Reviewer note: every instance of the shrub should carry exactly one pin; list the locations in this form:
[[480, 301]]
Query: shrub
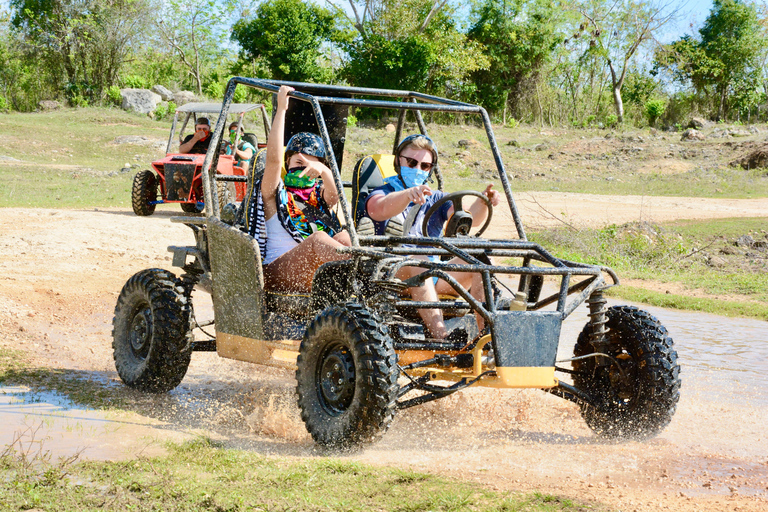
[[654, 109], [611, 120], [161, 111], [3, 104], [351, 121], [241, 94], [135, 82], [164, 110], [214, 90], [113, 95]]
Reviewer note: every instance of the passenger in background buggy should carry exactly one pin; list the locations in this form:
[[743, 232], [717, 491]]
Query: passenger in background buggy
[[245, 150], [292, 219], [415, 158]]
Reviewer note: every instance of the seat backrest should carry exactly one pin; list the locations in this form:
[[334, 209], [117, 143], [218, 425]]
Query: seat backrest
[[251, 139], [369, 173]]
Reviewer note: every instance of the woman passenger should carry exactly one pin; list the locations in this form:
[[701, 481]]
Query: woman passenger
[[293, 221]]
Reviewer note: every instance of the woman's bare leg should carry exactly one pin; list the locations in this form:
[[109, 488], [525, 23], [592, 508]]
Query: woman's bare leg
[[293, 271], [429, 292]]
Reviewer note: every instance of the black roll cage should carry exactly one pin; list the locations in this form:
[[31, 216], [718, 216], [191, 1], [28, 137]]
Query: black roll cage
[[388, 251]]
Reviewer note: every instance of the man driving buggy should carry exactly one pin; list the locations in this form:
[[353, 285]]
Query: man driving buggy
[[415, 159]]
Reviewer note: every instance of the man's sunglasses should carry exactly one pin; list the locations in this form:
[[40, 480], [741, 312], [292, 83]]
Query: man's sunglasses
[[412, 162]]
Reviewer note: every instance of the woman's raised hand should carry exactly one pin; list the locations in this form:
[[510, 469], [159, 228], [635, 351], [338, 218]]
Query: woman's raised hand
[[282, 96]]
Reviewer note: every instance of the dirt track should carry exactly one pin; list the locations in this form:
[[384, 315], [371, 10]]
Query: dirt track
[[61, 271]]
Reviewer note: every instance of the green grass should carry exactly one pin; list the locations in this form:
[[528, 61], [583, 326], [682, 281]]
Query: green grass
[[700, 255], [703, 304], [67, 159], [57, 188], [203, 475]]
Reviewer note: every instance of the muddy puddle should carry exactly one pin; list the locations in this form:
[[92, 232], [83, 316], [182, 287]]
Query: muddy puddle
[[48, 424]]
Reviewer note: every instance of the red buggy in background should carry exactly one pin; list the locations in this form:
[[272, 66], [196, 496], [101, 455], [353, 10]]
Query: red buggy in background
[[177, 177]]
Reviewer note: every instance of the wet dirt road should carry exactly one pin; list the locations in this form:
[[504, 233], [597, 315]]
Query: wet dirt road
[[61, 271]]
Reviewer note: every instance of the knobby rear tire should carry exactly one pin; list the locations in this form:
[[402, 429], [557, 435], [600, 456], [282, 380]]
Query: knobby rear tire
[[144, 193]]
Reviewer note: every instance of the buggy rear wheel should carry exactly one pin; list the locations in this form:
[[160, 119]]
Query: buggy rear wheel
[[144, 193], [151, 332], [639, 399], [347, 377], [191, 207]]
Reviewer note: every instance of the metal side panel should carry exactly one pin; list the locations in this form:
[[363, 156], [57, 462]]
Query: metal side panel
[[526, 338], [238, 283]]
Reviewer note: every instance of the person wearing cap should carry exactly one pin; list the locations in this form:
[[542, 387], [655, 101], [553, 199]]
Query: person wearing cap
[[199, 141], [415, 159], [292, 217]]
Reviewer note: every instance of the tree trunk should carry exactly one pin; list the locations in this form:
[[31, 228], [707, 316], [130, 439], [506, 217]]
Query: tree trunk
[[618, 103], [721, 105]]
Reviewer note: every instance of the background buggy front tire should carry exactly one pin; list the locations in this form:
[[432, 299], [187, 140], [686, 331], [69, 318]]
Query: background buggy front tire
[[144, 193], [151, 332], [191, 207], [642, 404], [347, 377]]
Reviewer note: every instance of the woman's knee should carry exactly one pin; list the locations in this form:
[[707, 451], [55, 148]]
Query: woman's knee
[[320, 238], [343, 238]]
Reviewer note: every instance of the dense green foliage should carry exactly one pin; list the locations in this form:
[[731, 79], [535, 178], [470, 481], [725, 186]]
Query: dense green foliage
[[725, 64], [519, 39], [582, 63], [288, 35]]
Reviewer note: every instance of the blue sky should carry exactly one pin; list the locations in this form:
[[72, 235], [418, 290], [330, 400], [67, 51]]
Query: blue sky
[[693, 13]]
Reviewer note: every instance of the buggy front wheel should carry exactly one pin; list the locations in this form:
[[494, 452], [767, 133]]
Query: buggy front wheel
[[636, 394], [347, 377]]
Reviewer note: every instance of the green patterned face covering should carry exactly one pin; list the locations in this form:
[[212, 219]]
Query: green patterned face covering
[[293, 180]]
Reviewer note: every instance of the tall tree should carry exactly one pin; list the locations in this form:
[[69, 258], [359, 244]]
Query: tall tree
[[289, 35], [733, 41], [411, 44], [725, 59], [614, 31], [86, 41], [519, 37], [194, 30]]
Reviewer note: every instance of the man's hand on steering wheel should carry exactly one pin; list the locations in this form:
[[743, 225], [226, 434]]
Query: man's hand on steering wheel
[[462, 220], [493, 195]]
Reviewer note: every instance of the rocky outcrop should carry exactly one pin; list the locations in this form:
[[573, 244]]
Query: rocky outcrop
[[49, 105], [698, 123], [142, 101], [164, 93], [182, 97], [692, 134]]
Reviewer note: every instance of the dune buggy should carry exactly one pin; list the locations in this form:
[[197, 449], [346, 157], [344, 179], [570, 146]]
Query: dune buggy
[[177, 178], [358, 347]]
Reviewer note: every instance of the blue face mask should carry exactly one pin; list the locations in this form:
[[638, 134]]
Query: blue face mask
[[413, 177]]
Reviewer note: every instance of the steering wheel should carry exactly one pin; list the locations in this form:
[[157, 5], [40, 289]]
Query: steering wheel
[[460, 222]]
